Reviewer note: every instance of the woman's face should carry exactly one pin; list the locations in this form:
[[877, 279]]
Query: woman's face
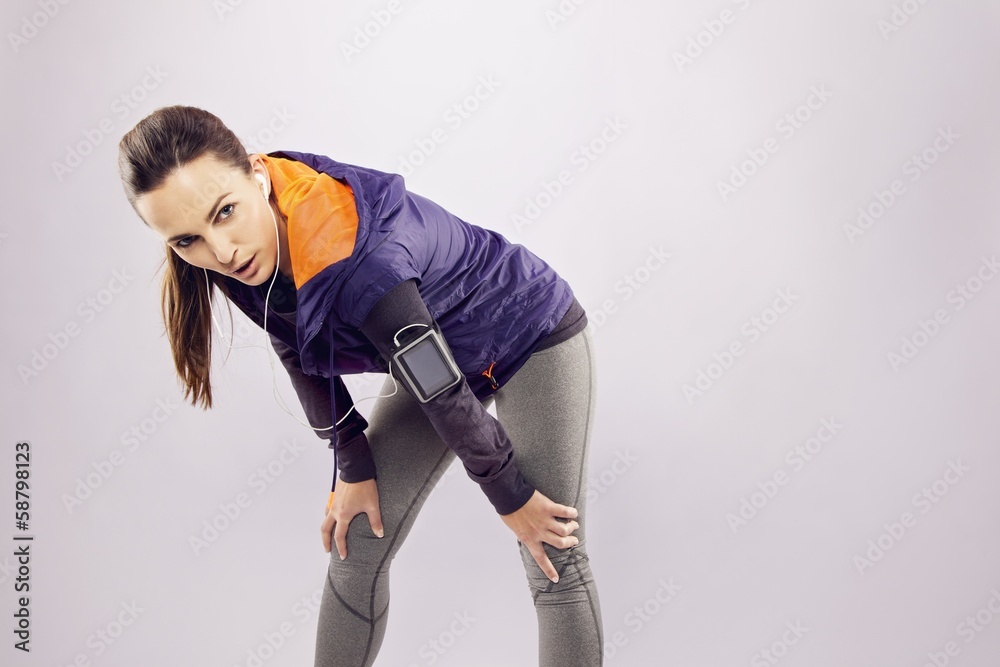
[[216, 217]]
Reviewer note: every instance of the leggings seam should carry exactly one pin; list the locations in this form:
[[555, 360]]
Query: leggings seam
[[586, 434], [593, 612], [583, 459], [344, 602], [395, 536], [590, 600], [575, 560]]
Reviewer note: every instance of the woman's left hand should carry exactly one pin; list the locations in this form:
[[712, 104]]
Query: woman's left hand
[[535, 522]]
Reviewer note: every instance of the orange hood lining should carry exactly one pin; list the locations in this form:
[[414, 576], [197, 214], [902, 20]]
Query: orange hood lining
[[321, 212]]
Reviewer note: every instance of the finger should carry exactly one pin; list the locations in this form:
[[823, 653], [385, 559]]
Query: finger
[[375, 521], [560, 542], [324, 531], [340, 537], [543, 561], [563, 529], [564, 511]]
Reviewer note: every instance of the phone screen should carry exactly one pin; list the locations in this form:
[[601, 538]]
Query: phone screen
[[427, 367]]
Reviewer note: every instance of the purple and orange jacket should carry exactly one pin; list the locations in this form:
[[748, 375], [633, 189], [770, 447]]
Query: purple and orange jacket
[[355, 235]]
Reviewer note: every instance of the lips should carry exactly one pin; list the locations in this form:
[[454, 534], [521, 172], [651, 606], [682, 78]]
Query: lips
[[243, 267]]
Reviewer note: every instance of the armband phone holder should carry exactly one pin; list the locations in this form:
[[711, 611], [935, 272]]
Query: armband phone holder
[[425, 364]]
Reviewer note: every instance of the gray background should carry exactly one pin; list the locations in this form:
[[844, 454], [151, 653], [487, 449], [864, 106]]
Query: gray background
[[668, 471]]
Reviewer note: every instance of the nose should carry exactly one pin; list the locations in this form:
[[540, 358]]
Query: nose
[[223, 249]]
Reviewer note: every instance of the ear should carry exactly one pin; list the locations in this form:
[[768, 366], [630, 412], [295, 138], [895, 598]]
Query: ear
[[258, 167]]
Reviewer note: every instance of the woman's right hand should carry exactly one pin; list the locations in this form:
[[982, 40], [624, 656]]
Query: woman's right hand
[[349, 500]]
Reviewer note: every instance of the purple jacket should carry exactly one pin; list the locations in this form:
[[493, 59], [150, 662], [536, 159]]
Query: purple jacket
[[494, 301]]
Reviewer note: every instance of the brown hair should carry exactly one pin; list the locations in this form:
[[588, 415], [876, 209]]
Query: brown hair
[[162, 142]]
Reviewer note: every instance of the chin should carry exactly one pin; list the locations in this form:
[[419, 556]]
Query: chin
[[262, 276], [259, 278]]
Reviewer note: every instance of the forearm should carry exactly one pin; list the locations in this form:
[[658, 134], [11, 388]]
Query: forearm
[[349, 441], [457, 415]]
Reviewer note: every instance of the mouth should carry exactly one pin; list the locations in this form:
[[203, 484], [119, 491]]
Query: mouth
[[244, 269]]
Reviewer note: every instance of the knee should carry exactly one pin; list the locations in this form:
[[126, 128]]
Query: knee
[[357, 565], [367, 554], [357, 581], [573, 567]]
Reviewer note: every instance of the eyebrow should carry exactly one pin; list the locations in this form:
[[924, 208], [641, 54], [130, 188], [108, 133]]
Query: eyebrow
[[208, 218]]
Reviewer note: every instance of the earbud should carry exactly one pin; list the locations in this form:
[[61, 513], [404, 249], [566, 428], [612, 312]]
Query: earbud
[[263, 184]]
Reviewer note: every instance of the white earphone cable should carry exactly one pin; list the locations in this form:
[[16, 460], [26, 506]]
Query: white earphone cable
[[269, 349]]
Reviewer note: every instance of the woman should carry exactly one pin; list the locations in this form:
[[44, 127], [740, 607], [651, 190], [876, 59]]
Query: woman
[[351, 268]]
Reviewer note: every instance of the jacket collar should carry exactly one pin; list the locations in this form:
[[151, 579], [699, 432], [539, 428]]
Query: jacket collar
[[321, 213]]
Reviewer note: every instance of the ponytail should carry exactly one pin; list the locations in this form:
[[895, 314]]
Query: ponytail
[[162, 142]]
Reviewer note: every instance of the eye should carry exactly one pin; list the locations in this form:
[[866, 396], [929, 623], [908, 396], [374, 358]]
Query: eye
[[228, 209]]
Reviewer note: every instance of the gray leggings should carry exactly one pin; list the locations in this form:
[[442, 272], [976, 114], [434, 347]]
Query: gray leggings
[[547, 411]]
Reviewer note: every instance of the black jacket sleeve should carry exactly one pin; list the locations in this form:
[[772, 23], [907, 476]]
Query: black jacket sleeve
[[354, 456], [457, 415]]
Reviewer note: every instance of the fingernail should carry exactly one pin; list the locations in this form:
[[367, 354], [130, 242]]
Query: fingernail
[[556, 580], [380, 533], [342, 557]]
